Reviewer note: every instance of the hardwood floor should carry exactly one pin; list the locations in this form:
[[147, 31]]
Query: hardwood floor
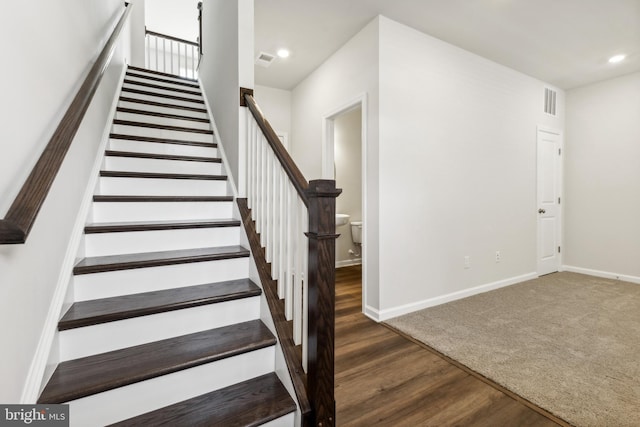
[[384, 379]]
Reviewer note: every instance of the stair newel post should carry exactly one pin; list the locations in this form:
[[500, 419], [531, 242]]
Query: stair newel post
[[321, 296]]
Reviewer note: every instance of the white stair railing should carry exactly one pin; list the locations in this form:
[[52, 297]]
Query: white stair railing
[[171, 55], [281, 218], [295, 220]]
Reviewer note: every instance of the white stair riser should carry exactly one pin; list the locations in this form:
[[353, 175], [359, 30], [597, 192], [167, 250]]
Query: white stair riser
[[165, 76], [136, 399], [166, 121], [159, 83], [162, 187], [159, 91], [138, 280], [102, 244], [161, 148], [157, 109], [288, 420], [159, 211], [162, 100], [133, 164], [96, 339], [162, 133]]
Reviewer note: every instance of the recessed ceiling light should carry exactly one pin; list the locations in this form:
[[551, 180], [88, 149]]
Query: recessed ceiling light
[[617, 58], [283, 53]]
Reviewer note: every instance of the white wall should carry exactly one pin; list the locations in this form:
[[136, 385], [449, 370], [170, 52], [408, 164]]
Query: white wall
[[457, 169], [178, 18], [276, 106], [226, 66], [36, 91], [349, 73], [602, 177], [348, 167]]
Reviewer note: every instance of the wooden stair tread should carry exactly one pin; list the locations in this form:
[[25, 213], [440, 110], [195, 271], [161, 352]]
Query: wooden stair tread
[[163, 104], [158, 199], [86, 376], [249, 403], [163, 115], [138, 155], [160, 73], [161, 95], [163, 127], [162, 87], [106, 263], [155, 175], [162, 80], [93, 312], [162, 140], [115, 227]]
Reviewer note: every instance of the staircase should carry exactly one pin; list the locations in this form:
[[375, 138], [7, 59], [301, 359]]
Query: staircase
[[165, 328]]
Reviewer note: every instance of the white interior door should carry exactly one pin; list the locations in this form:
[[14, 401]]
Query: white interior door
[[548, 208]]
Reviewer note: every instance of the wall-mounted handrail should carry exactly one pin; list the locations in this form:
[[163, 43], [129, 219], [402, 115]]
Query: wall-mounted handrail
[[295, 255], [22, 214]]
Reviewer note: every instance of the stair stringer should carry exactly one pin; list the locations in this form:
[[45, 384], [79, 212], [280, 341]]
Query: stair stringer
[[47, 356]]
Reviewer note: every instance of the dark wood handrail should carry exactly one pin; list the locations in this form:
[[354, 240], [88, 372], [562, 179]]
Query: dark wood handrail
[[297, 179], [17, 224], [168, 37]]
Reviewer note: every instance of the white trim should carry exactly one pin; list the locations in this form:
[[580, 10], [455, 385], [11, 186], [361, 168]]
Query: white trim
[[328, 123], [415, 306], [348, 262], [37, 371], [216, 134], [604, 274], [372, 313]]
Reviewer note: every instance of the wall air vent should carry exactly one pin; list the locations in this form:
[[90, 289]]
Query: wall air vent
[[265, 59], [550, 101]]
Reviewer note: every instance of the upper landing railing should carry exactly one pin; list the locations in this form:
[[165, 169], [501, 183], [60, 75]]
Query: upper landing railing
[[171, 55], [22, 214]]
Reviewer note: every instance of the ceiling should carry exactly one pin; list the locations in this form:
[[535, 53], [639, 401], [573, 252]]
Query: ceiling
[[563, 42]]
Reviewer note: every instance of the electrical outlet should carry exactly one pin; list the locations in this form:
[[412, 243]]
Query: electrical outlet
[[497, 256], [467, 261]]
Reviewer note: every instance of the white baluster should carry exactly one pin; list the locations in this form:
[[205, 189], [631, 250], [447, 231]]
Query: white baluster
[[193, 62], [171, 46], [298, 290], [250, 123], [291, 252], [305, 283], [156, 52], [275, 230]]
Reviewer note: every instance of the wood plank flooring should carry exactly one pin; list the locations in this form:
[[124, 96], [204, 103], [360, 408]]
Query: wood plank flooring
[[384, 379]]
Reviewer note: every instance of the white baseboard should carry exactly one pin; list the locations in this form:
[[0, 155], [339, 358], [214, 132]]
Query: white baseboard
[[604, 274], [419, 305], [348, 262], [42, 358], [372, 313]]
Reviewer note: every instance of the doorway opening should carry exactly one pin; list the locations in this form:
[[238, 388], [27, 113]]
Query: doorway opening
[[344, 154]]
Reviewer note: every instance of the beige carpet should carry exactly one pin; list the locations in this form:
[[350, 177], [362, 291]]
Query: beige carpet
[[567, 342]]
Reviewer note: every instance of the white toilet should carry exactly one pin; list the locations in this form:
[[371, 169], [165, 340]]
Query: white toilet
[[356, 232]]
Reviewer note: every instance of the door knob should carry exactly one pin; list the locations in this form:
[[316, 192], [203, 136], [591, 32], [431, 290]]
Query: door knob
[[541, 211]]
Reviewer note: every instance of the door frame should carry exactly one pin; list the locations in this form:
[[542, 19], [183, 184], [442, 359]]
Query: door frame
[[560, 189], [328, 168]]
